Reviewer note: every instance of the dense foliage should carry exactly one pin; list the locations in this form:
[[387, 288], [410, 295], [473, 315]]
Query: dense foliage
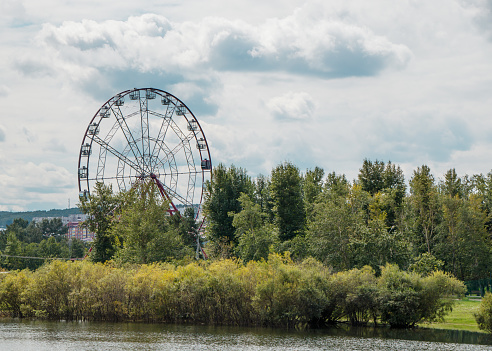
[[29, 245], [277, 292], [289, 249], [372, 220]]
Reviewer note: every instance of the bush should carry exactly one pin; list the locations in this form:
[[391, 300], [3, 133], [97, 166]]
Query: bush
[[277, 292], [484, 313], [12, 286], [407, 298]]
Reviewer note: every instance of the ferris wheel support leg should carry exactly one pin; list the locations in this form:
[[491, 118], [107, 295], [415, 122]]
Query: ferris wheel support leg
[[164, 194]]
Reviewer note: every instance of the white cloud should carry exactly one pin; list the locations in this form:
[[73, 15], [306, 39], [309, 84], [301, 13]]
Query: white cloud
[[27, 184], [481, 11], [13, 12], [406, 81], [4, 90], [300, 43], [2, 133], [292, 106]]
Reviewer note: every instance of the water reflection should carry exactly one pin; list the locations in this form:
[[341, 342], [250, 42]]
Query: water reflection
[[23, 335]]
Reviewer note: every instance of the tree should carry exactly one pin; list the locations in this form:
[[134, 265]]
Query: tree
[[77, 248], [313, 184], [13, 247], [330, 230], [371, 176], [255, 235], [425, 206], [263, 197], [187, 227], [52, 227], [143, 226], [221, 198], [101, 207], [376, 177], [336, 185], [482, 184], [286, 193]]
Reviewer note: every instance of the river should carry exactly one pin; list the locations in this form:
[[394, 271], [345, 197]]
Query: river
[[22, 335]]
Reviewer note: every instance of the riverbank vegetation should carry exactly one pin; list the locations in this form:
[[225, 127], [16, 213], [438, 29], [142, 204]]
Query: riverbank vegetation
[[372, 249], [276, 292]]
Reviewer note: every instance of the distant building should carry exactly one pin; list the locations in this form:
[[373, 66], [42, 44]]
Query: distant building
[[75, 230]]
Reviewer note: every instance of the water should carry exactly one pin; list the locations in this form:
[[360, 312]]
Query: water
[[23, 335]]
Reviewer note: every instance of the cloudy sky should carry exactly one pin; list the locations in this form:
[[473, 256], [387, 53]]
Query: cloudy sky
[[316, 83]]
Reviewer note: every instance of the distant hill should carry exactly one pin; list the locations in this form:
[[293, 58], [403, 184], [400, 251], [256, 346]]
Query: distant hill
[[7, 217]]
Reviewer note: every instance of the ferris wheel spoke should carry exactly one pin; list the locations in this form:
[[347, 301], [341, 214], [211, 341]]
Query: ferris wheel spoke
[[144, 127], [117, 154], [166, 119], [160, 145], [185, 138], [184, 144], [180, 173], [128, 134], [112, 178]]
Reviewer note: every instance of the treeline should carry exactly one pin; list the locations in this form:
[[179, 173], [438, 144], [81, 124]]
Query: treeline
[[373, 220], [8, 217], [28, 244], [275, 292]]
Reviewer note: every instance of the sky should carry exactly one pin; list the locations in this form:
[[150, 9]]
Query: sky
[[315, 83]]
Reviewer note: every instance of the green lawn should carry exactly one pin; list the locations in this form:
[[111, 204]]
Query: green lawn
[[461, 318]]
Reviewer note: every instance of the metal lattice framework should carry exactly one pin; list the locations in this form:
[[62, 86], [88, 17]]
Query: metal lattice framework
[[146, 133]]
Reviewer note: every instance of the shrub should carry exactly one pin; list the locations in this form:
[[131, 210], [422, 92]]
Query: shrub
[[48, 291], [11, 288], [484, 313], [277, 292], [406, 298]]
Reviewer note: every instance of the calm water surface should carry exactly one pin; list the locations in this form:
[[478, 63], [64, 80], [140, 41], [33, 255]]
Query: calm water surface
[[18, 335]]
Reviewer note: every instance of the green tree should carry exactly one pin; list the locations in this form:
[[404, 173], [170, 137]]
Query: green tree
[[51, 248], [188, 227], [462, 241], [255, 235], [371, 176], [425, 207], [222, 197], [378, 178], [330, 230], [53, 227], [13, 248], [286, 193], [263, 197], [313, 184], [143, 225], [336, 185], [482, 185], [34, 233], [101, 207], [77, 248]]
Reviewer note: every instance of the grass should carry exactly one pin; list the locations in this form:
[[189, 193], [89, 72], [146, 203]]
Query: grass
[[461, 318]]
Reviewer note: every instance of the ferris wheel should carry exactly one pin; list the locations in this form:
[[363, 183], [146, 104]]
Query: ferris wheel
[[144, 134]]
